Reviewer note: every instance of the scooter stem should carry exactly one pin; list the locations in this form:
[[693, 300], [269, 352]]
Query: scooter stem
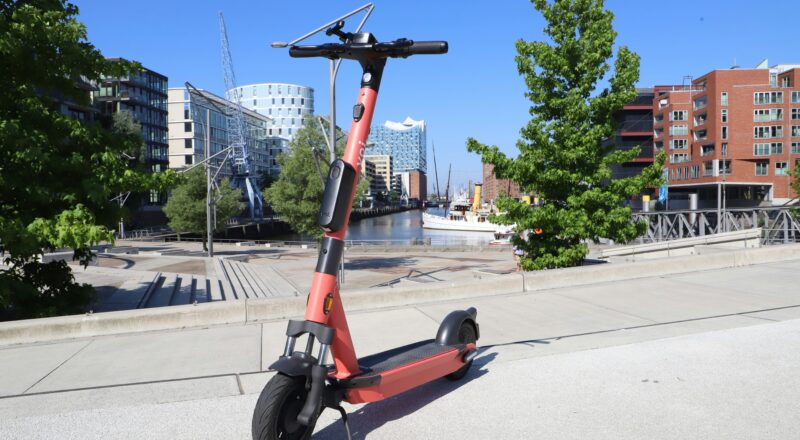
[[324, 302]]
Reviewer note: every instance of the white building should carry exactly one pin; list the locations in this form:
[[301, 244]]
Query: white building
[[287, 104], [186, 135]]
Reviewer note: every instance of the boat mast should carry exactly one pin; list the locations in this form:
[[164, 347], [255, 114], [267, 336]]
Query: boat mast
[[436, 172], [447, 191]]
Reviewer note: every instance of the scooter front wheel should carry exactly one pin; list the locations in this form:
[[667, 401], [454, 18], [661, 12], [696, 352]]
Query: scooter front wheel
[[275, 415]]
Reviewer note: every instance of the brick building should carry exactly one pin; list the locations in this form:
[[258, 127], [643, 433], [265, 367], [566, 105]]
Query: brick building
[[731, 137], [411, 186], [494, 187]]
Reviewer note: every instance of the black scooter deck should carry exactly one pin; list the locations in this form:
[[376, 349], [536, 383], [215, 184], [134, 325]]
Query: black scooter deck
[[373, 365]]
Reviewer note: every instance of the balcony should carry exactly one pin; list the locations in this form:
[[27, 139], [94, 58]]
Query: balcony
[[636, 128], [700, 120], [700, 135], [680, 158], [701, 102]]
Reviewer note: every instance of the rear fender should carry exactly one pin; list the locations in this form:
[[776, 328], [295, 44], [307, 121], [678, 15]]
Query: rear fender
[[448, 329]]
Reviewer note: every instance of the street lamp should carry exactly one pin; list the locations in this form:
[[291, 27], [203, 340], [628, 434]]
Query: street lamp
[[334, 68]]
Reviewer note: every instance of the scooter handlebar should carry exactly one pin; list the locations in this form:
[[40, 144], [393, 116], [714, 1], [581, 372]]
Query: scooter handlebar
[[399, 48]]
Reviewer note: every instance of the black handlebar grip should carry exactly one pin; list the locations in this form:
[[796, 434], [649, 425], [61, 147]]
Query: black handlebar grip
[[428, 48], [304, 51]]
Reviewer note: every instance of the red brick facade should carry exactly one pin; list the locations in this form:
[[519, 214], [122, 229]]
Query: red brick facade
[[493, 187], [735, 128]]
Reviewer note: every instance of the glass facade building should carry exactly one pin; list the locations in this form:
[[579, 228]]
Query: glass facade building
[[288, 105], [143, 95], [404, 141]]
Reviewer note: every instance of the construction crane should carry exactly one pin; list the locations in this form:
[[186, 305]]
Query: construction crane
[[242, 172]]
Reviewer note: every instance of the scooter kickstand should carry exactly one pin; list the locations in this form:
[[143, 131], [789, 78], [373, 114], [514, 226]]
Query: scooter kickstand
[[344, 420]]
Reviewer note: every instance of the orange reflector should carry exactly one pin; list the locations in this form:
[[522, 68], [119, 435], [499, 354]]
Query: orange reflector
[[328, 304], [537, 231]]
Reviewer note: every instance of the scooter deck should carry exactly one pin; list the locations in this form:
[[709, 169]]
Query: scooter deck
[[374, 365]]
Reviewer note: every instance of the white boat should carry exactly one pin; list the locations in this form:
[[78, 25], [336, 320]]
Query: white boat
[[457, 222], [463, 216]]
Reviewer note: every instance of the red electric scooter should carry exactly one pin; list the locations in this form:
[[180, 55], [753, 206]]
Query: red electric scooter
[[305, 385]]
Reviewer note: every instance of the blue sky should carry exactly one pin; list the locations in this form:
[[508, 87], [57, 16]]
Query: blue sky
[[473, 91]]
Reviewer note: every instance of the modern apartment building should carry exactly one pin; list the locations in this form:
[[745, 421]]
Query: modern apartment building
[[635, 129], [731, 137], [187, 119], [382, 180], [404, 141], [287, 105], [142, 95]]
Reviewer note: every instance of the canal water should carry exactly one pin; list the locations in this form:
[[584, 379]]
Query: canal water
[[406, 228]]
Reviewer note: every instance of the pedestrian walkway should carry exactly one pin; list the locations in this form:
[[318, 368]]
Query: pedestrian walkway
[[204, 362]]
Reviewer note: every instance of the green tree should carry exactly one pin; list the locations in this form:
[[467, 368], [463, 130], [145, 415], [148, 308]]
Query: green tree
[[186, 207], [562, 156], [297, 194], [57, 173]]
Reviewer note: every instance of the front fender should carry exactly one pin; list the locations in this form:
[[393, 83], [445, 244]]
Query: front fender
[[298, 364]]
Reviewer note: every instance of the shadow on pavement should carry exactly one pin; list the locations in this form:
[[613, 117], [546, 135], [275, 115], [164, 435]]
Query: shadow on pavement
[[377, 263], [374, 415]]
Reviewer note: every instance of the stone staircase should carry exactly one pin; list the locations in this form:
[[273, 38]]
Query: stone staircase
[[235, 280], [245, 280]]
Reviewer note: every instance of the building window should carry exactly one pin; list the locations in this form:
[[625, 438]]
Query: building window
[[708, 168], [723, 99], [724, 132], [283, 100], [795, 131], [795, 147], [795, 97], [678, 130], [187, 143], [771, 131], [762, 168], [781, 168], [679, 158], [302, 101], [724, 149], [796, 113], [679, 144], [773, 79], [707, 150], [695, 171], [786, 81], [760, 149], [724, 168], [187, 159], [187, 127], [724, 116], [679, 115], [768, 114], [767, 98], [776, 148]]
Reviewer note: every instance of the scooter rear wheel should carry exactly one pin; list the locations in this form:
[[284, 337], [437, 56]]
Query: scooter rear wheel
[[466, 335], [275, 415]]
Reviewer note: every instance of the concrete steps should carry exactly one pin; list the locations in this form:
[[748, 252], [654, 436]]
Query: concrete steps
[[130, 294], [253, 281]]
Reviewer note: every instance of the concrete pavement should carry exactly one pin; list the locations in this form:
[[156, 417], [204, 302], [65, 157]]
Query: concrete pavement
[[739, 383], [73, 385]]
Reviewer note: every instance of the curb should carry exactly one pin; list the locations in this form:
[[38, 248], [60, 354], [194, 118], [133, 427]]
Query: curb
[[245, 311]]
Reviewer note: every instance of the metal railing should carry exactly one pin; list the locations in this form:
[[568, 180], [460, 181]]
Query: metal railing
[[778, 224]]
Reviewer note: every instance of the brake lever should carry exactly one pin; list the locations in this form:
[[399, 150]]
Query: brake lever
[[337, 30]]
